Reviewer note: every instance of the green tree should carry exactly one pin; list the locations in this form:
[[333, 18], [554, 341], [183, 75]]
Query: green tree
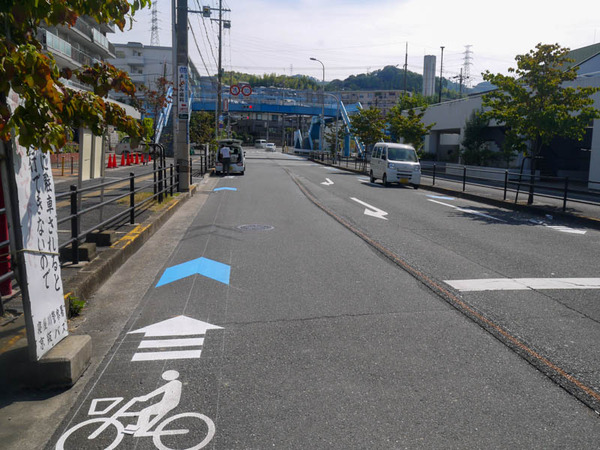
[[406, 121], [202, 128], [476, 150], [368, 125], [48, 109], [536, 104]]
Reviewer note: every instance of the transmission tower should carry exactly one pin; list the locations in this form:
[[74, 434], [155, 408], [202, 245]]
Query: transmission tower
[[154, 39], [467, 63]]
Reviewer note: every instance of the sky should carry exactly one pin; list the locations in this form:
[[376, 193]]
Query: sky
[[351, 37]]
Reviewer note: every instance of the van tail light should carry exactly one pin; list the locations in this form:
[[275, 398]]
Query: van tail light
[[240, 164]]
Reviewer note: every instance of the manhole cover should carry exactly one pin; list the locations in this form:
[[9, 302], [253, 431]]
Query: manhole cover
[[255, 227]]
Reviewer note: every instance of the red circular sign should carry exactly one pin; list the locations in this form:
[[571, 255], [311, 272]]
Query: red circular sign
[[234, 90], [246, 90]]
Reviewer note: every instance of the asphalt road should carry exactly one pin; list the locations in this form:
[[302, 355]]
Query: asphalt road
[[327, 327]]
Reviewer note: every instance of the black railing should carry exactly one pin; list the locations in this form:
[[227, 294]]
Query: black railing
[[558, 188], [165, 181]]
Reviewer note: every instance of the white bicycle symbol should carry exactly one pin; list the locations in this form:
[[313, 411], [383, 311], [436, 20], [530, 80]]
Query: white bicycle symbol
[[99, 428]]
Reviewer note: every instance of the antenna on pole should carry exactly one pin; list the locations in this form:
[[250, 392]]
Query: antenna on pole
[[154, 39]]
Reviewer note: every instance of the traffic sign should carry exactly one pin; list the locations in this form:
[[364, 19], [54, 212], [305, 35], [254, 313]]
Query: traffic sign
[[246, 90], [234, 90]]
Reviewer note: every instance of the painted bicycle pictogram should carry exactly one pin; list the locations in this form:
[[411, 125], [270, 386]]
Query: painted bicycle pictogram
[[110, 431]]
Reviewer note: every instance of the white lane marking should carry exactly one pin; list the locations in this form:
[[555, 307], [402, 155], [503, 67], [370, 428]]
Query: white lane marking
[[468, 211], [165, 343], [440, 197], [161, 356], [518, 284], [364, 180], [564, 229], [371, 210], [328, 182]]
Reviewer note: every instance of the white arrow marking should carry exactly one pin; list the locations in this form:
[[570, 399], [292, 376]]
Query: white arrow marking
[[468, 211], [371, 210], [328, 182], [177, 326]]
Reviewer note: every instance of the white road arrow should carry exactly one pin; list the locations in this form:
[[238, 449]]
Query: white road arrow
[[328, 182], [371, 210], [177, 326], [185, 348]]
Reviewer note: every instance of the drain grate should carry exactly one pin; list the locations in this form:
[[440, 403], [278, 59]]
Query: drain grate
[[255, 227]]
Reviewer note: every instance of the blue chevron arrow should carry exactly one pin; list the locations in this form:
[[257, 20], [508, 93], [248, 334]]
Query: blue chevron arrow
[[225, 189], [201, 266]]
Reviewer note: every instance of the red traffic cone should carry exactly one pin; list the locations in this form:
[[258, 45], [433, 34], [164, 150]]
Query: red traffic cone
[[142, 159], [149, 157], [114, 162], [122, 159], [128, 159]]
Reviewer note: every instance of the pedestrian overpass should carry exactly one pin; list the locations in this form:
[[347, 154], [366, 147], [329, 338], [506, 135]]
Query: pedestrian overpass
[[270, 104]]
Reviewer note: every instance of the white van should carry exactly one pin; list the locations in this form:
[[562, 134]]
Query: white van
[[238, 160], [395, 163], [260, 143]]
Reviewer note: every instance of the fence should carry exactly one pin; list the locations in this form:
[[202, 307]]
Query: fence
[[514, 182]]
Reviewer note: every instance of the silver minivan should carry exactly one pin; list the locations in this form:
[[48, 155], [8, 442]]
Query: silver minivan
[[395, 163]]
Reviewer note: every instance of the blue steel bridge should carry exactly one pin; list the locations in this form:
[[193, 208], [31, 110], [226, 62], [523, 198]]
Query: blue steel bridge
[[308, 104]]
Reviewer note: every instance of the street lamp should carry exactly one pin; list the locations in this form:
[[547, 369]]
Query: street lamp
[[441, 73], [322, 106]]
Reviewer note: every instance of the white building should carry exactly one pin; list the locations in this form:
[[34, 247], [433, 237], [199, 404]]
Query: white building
[[146, 63], [562, 158]]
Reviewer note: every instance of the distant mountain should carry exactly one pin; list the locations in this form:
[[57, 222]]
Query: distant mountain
[[388, 78], [484, 86]]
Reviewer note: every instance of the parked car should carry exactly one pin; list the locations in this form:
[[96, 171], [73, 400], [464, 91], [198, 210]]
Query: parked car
[[395, 163], [270, 147], [260, 143], [124, 146], [238, 157]]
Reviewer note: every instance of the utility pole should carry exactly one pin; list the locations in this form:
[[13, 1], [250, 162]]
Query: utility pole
[[206, 10], [441, 73], [181, 107], [405, 69]]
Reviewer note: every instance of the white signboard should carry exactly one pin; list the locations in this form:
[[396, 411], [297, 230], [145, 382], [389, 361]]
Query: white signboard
[[37, 216], [182, 96]]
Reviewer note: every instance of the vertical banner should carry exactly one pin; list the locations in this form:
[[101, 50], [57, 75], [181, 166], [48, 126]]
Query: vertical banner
[[182, 95], [41, 284], [37, 214]]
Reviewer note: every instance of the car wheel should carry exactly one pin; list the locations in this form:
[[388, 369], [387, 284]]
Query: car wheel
[[242, 172], [384, 180], [371, 177], [416, 186]]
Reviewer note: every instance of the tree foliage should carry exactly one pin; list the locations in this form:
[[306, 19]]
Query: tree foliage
[[48, 109], [476, 150], [406, 121], [202, 128], [536, 104], [268, 80], [368, 125]]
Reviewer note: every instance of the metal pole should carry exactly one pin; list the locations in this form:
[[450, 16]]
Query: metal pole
[[566, 194], [74, 226], [131, 198], [464, 178], [434, 173], [171, 178], [441, 73], [505, 183], [322, 106]]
